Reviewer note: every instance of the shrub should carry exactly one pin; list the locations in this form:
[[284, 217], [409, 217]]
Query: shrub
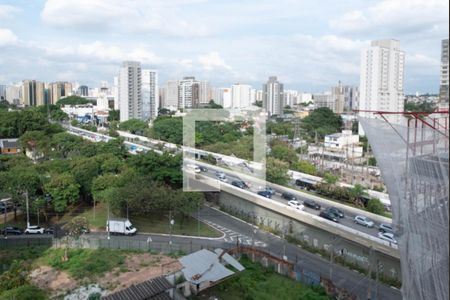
[[24, 292], [375, 206]]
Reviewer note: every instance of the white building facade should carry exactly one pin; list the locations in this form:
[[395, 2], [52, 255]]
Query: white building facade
[[273, 96], [382, 79], [241, 96], [130, 94], [150, 94]]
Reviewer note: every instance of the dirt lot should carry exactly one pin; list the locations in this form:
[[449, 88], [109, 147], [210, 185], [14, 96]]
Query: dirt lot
[[137, 268]]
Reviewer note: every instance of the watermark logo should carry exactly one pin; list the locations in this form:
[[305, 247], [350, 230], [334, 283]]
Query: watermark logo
[[205, 171]]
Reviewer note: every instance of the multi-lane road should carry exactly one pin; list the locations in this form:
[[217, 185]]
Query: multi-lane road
[[255, 186]]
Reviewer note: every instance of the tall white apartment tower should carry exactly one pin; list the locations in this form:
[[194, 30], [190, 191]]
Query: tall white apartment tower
[[240, 96], [185, 97], [443, 90], [130, 94], [273, 96], [150, 94], [381, 79]]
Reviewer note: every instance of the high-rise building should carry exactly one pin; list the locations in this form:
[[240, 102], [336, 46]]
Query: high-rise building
[[2, 92], [170, 99], [381, 79], [240, 96], [32, 93], [58, 90], [222, 96], [291, 97], [203, 92], [83, 90], [185, 99], [130, 94], [326, 99], [273, 96], [150, 94], [115, 92], [13, 93], [443, 90], [259, 95]]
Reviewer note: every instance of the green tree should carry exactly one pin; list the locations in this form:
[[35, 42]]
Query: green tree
[[114, 115], [84, 170], [24, 292], [323, 121], [375, 206], [276, 171], [35, 140], [64, 191], [304, 166], [77, 226], [284, 152], [65, 145], [168, 129], [330, 178], [134, 126], [16, 276], [355, 194], [74, 100]]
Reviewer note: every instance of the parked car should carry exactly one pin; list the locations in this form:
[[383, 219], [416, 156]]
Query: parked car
[[270, 190], [311, 204], [336, 211], [387, 228], [34, 229], [239, 184], [387, 237], [266, 194], [11, 230], [329, 216], [297, 205], [288, 196], [365, 221]]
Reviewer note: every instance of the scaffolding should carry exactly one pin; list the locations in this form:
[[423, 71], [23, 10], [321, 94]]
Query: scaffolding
[[413, 158]]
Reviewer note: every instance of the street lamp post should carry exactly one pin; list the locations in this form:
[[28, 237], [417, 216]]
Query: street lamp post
[[171, 223], [28, 213], [109, 236]]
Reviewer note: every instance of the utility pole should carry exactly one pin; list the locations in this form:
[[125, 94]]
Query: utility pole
[[28, 213], [109, 235], [171, 223]]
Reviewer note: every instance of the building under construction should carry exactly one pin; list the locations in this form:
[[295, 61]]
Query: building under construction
[[413, 158]]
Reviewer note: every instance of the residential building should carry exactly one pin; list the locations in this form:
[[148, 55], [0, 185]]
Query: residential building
[[325, 99], [130, 94], [83, 90], [222, 96], [443, 90], [291, 97], [170, 99], [382, 79], [259, 95], [115, 92], [203, 92], [32, 93], [9, 146], [58, 90], [185, 92], [241, 96], [273, 96], [338, 94], [14, 93], [150, 94], [306, 98], [2, 92]]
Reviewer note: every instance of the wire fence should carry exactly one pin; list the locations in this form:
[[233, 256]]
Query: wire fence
[[10, 242]]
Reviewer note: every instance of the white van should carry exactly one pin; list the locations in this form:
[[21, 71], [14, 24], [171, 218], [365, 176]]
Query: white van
[[120, 226]]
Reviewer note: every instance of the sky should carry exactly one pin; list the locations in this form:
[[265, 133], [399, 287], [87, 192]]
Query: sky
[[310, 45]]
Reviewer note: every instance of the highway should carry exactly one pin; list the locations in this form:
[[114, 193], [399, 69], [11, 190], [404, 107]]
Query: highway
[[255, 187]]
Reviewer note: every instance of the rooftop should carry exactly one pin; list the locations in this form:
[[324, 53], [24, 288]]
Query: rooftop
[[154, 289]]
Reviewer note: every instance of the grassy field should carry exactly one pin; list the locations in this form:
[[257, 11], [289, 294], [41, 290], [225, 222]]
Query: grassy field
[[155, 223], [260, 283]]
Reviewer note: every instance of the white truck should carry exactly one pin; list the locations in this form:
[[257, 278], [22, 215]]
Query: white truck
[[120, 226]]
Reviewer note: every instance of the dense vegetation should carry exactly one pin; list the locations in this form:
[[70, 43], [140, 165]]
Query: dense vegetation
[[257, 282], [419, 107], [74, 100], [73, 171], [321, 121]]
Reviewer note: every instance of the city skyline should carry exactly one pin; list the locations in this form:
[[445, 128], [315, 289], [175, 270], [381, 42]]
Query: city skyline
[[77, 40]]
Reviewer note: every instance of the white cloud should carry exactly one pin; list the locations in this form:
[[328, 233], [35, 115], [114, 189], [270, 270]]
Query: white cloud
[[7, 11], [421, 60], [397, 16], [7, 38], [98, 51], [164, 17], [212, 61]]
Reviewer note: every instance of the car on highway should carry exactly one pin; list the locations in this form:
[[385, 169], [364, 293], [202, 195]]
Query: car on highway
[[385, 228], [336, 211], [311, 204], [297, 205], [34, 229], [329, 216], [266, 194], [389, 237], [194, 168], [239, 184], [49, 230], [221, 176], [11, 230], [364, 221], [203, 169], [288, 196]]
